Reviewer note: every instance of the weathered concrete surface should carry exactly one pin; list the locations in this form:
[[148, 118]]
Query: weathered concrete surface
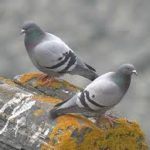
[[24, 124]]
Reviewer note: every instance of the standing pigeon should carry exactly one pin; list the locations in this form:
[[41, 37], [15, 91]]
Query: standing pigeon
[[99, 96], [52, 56]]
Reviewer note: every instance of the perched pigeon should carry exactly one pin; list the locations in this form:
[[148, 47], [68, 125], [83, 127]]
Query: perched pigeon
[[99, 96], [51, 55]]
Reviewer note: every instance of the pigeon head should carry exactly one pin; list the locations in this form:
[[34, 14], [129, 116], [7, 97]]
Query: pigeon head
[[33, 34], [31, 28], [127, 69]]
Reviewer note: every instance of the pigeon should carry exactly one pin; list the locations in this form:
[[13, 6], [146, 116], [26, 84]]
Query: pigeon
[[102, 94], [52, 56]]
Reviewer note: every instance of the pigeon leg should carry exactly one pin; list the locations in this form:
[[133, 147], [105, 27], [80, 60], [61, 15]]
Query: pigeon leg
[[43, 77], [46, 79], [110, 118], [97, 121]]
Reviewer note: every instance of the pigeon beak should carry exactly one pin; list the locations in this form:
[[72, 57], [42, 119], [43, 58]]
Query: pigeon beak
[[135, 72], [22, 31]]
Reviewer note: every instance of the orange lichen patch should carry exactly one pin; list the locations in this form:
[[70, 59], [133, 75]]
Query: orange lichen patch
[[74, 120], [28, 76], [48, 99], [56, 84], [76, 133], [65, 126], [38, 112]]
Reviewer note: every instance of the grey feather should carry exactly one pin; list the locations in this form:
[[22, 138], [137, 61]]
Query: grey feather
[[52, 56], [64, 107], [99, 96]]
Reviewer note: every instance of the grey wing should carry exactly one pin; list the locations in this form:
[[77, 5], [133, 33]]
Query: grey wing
[[53, 55], [101, 94], [74, 58], [68, 103], [68, 106]]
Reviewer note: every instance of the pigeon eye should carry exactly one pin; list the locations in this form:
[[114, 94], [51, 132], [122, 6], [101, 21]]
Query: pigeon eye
[[128, 69]]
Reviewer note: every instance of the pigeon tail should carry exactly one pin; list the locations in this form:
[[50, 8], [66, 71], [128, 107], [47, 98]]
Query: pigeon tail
[[87, 72], [90, 67], [91, 76], [53, 114], [56, 112]]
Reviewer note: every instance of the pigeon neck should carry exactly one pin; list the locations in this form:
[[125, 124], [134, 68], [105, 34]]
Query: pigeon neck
[[123, 81], [33, 38]]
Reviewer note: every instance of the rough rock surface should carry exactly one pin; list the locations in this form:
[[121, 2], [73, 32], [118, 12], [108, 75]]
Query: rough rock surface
[[25, 103]]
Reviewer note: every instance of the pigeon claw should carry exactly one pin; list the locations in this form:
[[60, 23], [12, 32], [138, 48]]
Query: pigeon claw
[[45, 79], [110, 119]]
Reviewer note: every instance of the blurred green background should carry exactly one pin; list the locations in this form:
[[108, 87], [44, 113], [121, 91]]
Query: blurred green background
[[104, 33]]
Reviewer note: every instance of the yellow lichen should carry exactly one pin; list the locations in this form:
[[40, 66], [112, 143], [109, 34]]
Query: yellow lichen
[[55, 83], [69, 123], [39, 112], [48, 99], [28, 76], [7, 81], [77, 133]]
